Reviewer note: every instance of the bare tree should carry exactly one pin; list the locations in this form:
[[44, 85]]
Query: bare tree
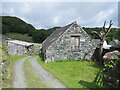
[[102, 36]]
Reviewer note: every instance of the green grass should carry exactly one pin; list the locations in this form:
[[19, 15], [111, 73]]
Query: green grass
[[0, 66], [74, 74], [32, 79], [7, 62], [37, 44], [18, 36], [8, 66]]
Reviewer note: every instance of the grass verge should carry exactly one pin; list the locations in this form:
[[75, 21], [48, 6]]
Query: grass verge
[[32, 79], [7, 70], [74, 74]]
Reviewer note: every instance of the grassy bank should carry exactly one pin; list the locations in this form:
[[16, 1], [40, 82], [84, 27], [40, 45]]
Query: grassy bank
[[74, 74], [32, 79], [7, 70]]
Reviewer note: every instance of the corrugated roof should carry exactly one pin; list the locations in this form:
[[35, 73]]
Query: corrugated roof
[[19, 42], [54, 36]]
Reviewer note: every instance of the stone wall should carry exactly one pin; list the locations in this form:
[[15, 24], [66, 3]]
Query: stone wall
[[112, 69], [112, 77], [61, 48], [36, 50]]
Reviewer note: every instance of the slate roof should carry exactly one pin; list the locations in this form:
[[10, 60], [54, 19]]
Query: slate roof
[[97, 41], [20, 42], [115, 41], [54, 36]]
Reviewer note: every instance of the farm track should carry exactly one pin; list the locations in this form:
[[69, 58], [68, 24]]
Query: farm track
[[19, 79], [45, 77]]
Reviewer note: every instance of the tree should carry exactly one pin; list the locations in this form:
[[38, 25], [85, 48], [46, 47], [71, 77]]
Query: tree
[[102, 36], [5, 29], [118, 34], [39, 36]]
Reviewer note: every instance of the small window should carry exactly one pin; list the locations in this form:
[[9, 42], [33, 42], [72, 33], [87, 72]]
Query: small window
[[75, 43]]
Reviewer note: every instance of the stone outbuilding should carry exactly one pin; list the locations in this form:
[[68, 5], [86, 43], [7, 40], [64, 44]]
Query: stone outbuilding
[[105, 44], [17, 47], [68, 42], [115, 43]]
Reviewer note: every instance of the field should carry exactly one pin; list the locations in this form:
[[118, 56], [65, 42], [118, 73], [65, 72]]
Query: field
[[19, 36], [74, 74]]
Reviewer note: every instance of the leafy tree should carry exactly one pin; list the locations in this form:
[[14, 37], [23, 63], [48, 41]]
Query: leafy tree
[[5, 29], [118, 34], [30, 29], [40, 35]]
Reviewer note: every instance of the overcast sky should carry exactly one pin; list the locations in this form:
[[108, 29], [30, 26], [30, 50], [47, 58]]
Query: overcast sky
[[51, 14]]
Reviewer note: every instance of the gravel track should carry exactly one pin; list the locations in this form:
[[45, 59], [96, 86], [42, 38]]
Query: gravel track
[[45, 77], [19, 79]]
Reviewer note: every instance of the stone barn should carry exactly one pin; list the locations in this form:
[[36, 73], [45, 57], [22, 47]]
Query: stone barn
[[68, 42], [16, 47]]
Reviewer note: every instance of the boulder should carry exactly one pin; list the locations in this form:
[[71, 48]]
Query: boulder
[[111, 56]]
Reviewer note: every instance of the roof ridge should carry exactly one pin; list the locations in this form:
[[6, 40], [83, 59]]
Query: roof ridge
[[75, 22], [57, 33]]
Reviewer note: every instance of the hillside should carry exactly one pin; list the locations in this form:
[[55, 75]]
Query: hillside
[[16, 25], [16, 28]]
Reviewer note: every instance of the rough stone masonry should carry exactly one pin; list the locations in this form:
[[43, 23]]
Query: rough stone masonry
[[68, 42]]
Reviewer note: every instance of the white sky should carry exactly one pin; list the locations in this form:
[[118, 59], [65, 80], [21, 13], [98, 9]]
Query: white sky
[[50, 14]]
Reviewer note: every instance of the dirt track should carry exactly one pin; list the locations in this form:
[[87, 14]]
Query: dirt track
[[44, 76], [19, 80]]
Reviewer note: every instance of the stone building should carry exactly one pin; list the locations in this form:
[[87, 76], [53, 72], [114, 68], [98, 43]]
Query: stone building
[[115, 43], [68, 42], [105, 44], [16, 47]]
